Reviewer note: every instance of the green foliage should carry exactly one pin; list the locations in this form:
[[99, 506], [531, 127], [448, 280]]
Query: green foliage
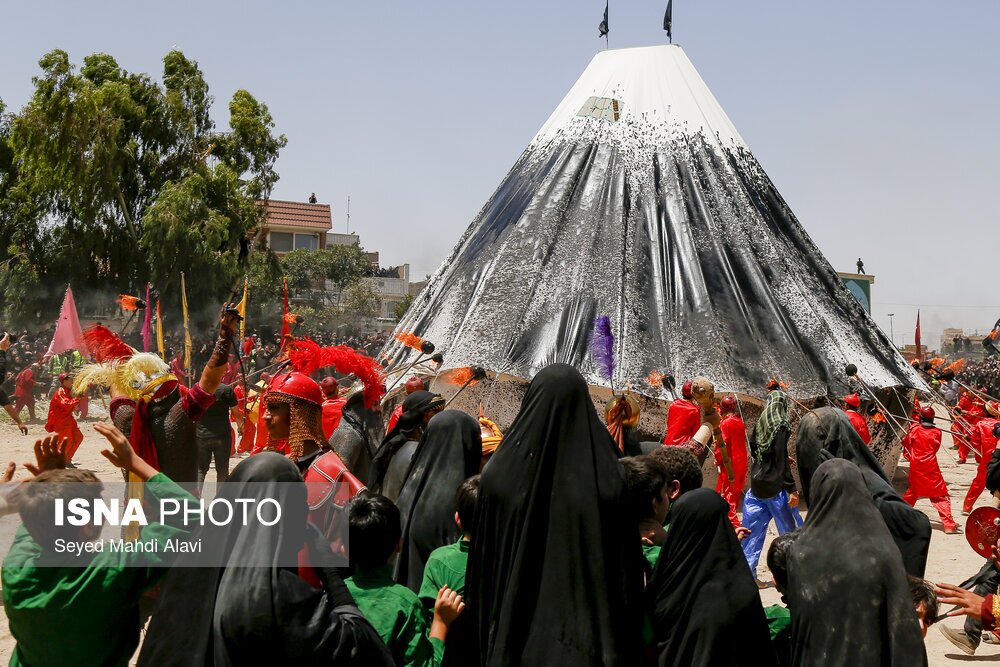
[[400, 310], [361, 300], [348, 264], [306, 271], [109, 179]]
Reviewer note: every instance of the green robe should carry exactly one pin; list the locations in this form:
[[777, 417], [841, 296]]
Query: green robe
[[652, 553], [396, 614], [87, 614], [445, 567]]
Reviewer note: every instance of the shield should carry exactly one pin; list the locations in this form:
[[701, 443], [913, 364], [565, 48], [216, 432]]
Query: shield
[[982, 530]]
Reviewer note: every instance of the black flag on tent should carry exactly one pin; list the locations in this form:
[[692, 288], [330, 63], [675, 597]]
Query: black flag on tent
[[604, 24], [668, 20]]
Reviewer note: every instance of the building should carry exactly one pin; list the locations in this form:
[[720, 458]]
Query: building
[[393, 287], [293, 225]]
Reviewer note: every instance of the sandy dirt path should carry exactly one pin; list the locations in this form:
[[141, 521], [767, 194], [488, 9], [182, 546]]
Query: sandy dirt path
[[951, 559]]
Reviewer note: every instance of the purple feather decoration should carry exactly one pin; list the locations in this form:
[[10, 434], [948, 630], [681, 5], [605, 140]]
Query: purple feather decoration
[[602, 347]]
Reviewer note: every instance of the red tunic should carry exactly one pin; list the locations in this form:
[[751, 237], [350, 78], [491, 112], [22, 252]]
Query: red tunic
[[332, 409], [920, 446], [61, 422], [983, 441], [860, 425], [329, 487], [734, 432], [25, 383], [683, 420]]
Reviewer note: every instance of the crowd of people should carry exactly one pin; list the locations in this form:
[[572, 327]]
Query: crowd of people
[[553, 542]]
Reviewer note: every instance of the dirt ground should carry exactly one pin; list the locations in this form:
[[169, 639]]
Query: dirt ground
[[951, 558]]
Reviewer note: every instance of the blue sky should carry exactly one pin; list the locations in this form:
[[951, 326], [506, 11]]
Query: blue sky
[[876, 121]]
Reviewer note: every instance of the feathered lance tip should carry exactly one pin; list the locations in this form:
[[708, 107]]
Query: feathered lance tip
[[415, 342], [129, 302], [655, 378], [602, 347], [956, 367], [935, 362], [459, 376], [292, 318], [105, 346], [307, 356]]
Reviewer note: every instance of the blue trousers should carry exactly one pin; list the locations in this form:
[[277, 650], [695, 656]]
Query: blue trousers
[[757, 515]]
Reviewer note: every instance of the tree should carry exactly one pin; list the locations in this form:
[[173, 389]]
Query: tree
[[400, 310], [306, 272], [361, 300], [115, 179], [347, 265]]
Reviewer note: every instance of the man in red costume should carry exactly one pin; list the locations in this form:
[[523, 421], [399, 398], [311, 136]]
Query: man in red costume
[[412, 385], [293, 417], [24, 391], [734, 433], [333, 405], [683, 418], [61, 421], [920, 447], [858, 421], [969, 411], [984, 442]]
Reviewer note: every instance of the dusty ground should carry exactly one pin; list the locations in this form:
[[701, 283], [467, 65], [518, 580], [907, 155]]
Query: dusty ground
[[951, 558]]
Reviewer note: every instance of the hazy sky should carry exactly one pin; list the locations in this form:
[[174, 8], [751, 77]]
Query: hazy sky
[[876, 121]]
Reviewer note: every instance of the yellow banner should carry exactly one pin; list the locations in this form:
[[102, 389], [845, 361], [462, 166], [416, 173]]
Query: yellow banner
[[159, 331], [187, 332], [242, 308]]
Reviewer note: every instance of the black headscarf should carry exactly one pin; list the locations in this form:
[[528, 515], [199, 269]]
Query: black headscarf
[[847, 588], [705, 605], [414, 407], [555, 567], [238, 615], [827, 433], [449, 453]]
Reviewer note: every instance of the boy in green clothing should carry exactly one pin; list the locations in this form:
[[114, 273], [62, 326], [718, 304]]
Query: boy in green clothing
[[779, 618], [446, 565], [648, 493], [80, 610], [393, 609]]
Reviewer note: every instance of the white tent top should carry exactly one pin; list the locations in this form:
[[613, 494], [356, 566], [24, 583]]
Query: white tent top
[[655, 84]]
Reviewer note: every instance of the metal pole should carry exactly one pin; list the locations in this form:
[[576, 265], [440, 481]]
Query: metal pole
[[892, 335]]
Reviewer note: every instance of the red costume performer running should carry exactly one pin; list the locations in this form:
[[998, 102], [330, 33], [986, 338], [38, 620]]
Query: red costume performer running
[[983, 442], [969, 411], [61, 421], [24, 391], [683, 418], [858, 421], [734, 433], [920, 447]]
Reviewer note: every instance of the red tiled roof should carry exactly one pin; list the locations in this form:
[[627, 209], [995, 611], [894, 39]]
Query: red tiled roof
[[298, 214]]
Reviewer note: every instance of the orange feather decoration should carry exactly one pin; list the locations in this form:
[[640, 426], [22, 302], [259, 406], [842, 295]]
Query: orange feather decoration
[[956, 367], [128, 302], [655, 378], [459, 376], [410, 340]]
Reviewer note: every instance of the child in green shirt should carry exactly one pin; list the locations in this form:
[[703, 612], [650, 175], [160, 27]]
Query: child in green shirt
[[393, 609], [779, 618], [647, 493], [446, 565], [80, 610]]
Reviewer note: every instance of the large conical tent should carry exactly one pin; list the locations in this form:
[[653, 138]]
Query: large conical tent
[[639, 200]]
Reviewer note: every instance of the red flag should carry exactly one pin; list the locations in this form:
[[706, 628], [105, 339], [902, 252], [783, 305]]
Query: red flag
[[285, 328], [68, 335], [916, 339]]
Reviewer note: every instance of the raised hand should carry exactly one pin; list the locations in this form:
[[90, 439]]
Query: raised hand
[[50, 454]]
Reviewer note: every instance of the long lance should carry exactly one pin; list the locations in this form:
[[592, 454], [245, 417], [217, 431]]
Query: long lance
[[852, 371], [478, 373]]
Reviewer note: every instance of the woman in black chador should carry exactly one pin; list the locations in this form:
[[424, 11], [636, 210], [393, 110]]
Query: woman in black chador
[[555, 568]]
